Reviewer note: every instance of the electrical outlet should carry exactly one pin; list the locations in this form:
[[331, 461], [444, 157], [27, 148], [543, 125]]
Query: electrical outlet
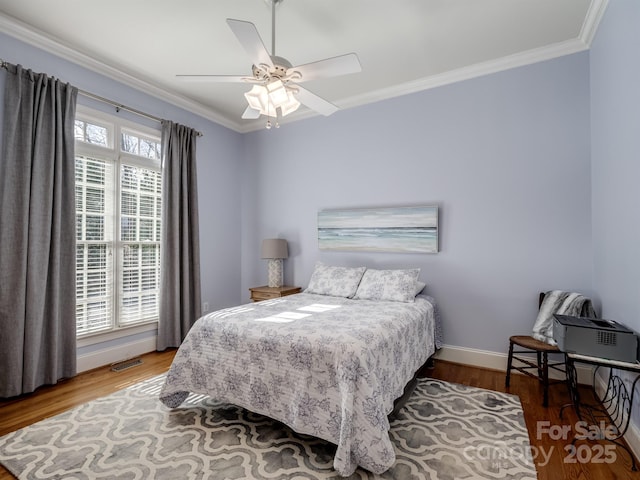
[[205, 307]]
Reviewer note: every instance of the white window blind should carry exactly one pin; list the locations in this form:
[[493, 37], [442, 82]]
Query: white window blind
[[94, 245], [118, 222], [140, 207]]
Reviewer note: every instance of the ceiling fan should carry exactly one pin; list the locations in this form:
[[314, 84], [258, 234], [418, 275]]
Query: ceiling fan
[[276, 90]]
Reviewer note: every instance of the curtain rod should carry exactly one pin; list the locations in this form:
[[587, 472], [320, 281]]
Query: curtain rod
[[118, 106]]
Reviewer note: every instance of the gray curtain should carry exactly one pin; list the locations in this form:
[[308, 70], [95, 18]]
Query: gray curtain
[[37, 233], [180, 251]]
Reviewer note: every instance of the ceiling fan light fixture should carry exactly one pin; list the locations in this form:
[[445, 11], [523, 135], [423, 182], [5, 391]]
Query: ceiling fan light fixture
[[291, 105], [268, 98], [275, 80], [277, 93], [258, 98]]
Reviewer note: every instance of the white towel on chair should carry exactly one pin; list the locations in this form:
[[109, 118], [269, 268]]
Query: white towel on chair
[[561, 303]]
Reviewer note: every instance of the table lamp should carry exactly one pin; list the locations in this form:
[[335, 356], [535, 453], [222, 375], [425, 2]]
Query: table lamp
[[275, 249]]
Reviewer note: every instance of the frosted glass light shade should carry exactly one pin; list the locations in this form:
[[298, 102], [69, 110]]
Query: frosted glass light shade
[[267, 99], [277, 93], [291, 105], [257, 98]]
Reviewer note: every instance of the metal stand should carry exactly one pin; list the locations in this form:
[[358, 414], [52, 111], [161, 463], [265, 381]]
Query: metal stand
[[614, 408]]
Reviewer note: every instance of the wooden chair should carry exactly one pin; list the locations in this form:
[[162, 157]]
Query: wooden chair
[[541, 366]]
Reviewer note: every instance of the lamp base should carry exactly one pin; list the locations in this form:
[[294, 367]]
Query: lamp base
[[276, 273]]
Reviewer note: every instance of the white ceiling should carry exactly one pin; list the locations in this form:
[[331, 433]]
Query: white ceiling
[[404, 45]]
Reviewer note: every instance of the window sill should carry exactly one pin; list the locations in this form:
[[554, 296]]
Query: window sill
[[115, 334]]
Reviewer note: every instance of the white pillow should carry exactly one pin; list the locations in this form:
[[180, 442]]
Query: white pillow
[[419, 287], [389, 285], [335, 281]]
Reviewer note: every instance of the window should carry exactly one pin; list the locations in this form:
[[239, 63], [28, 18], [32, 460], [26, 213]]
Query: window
[[118, 211]]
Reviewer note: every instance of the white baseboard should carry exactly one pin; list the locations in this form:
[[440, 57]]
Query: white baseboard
[[119, 353], [497, 361]]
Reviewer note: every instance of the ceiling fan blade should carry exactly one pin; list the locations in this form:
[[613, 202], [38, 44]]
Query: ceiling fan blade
[[212, 78], [314, 102], [250, 39], [329, 67], [250, 114]]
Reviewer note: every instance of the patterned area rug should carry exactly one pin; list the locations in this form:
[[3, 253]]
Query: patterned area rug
[[445, 431]]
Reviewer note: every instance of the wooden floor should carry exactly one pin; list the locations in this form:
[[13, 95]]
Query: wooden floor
[[552, 459]]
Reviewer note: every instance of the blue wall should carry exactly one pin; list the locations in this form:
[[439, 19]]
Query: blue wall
[[615, 140], [506, 156]]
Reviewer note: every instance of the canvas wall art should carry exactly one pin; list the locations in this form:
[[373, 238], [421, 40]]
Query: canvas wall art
[[396, 229]]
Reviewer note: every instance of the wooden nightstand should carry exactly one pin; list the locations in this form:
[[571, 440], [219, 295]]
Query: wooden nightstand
[[265, 293]]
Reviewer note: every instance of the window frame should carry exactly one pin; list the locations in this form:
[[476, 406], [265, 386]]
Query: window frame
[[117, 157]]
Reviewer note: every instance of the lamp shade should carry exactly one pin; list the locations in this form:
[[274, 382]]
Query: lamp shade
[[274, 248]]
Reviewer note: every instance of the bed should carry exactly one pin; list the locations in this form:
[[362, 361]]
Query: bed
[[330, 366]]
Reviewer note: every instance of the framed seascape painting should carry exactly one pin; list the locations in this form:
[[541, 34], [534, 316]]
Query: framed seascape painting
[[396, 229]]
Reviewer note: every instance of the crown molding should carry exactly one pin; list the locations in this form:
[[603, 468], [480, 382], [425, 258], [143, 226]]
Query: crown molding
[[583, 42], [452, 76], [588, 31], [595, 13], [473, 71], [592, 20], [23, 32]]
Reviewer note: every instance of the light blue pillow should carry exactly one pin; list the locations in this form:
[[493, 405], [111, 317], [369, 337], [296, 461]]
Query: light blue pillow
[[335, 281], [388, 285]]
